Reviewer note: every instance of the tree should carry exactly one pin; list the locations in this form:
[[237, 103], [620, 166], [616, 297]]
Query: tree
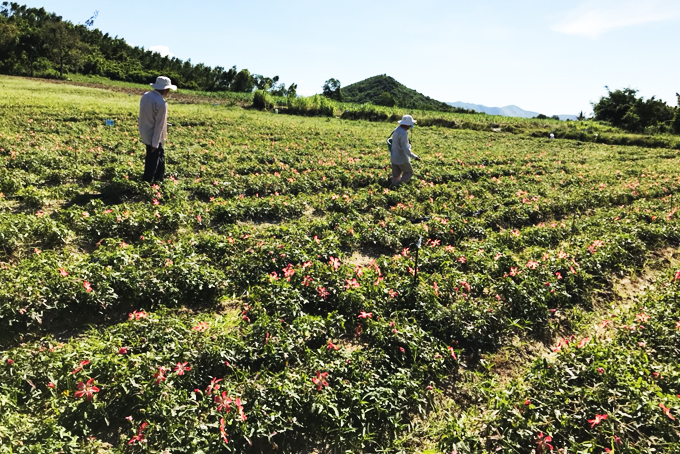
[[292, 90], [386, 99], [243, 82], [623, 109], [331, 89], [63, 44], [581, 116]]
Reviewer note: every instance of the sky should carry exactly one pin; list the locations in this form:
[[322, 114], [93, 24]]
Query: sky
[[544, 56]]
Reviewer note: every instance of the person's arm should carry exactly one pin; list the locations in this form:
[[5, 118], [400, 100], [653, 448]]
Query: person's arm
[[159, 124]]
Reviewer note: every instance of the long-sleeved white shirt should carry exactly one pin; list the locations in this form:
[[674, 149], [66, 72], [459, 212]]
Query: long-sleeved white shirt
[[153, 119], [401, 148]]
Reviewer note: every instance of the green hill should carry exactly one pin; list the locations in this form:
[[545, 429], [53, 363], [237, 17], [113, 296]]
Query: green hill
[[384, 90]]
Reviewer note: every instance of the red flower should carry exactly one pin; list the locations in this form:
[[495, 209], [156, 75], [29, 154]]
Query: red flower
[[332, 346], [202, 326], [597, 420], [453, 353], [51, 385], [223, 431], [320, 380], [87, 286], [80, 366], [160, 375], [86, 389], [351, 284], [213, 385], [223, 402], [667, 411], [140, 434], [543, 443], [323, 293], [180, 368], [122, 350], [583, 342]]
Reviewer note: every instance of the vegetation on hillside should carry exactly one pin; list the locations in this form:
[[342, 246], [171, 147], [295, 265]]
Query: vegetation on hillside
[[276, 295], [384, 90], [34, 42]]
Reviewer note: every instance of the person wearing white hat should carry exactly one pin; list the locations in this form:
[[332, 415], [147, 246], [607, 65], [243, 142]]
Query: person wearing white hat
[[153, 127], [400, 152]]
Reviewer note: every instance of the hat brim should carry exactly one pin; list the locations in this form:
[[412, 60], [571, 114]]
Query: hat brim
[[401, 122], [163, 87]]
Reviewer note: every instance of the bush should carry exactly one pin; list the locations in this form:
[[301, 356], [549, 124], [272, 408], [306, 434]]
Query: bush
[[262, 100]]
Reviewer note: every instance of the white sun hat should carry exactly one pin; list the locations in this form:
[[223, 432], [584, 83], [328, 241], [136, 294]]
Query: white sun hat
[[407, 120], [163, 83]]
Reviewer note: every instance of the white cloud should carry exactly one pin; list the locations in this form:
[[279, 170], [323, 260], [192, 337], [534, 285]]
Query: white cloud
[[596, 17], [163, 50]]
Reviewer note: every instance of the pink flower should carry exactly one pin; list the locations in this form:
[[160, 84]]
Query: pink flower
[[202, 326], [86, 390], [597, 420], [527, 402], [63, 272], [320, 380], [160, 375], [543, 443], [223, 431], [136, 315], [453, 352], [10, 361], [122, 350], [642, 318], [51, 385], [332, 346], [80, 366], [140, 434], [87, 286], [351, 284], [366, 314], [213, 385], [666, 411], [583, 342], [180, 368], [223, 401], [335, 263], [401, 349], [323, 293], [600, 370], [532, 264]]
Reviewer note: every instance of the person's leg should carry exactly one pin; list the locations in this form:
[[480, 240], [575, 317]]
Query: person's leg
[[396, 174], [406, 172], [160, 170], [150, 164]]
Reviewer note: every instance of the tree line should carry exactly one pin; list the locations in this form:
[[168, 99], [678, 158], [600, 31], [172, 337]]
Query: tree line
[[625, 110], [37, 43]]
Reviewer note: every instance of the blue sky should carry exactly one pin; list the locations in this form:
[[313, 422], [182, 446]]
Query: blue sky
[[543, 56]]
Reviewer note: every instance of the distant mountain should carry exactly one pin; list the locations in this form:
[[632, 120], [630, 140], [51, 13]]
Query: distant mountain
[[383, 90], [507, 111]]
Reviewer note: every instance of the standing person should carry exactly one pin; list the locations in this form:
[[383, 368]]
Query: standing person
[[400, 152], [153, 127]]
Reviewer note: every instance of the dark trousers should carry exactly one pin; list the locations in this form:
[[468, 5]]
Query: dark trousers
[[154, 164]]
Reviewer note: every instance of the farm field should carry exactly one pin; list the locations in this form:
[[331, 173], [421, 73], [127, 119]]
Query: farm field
[[274, 294]]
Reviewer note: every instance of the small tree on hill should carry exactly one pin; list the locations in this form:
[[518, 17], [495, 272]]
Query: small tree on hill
[[386, 99], [243, 82], [331, 89]]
